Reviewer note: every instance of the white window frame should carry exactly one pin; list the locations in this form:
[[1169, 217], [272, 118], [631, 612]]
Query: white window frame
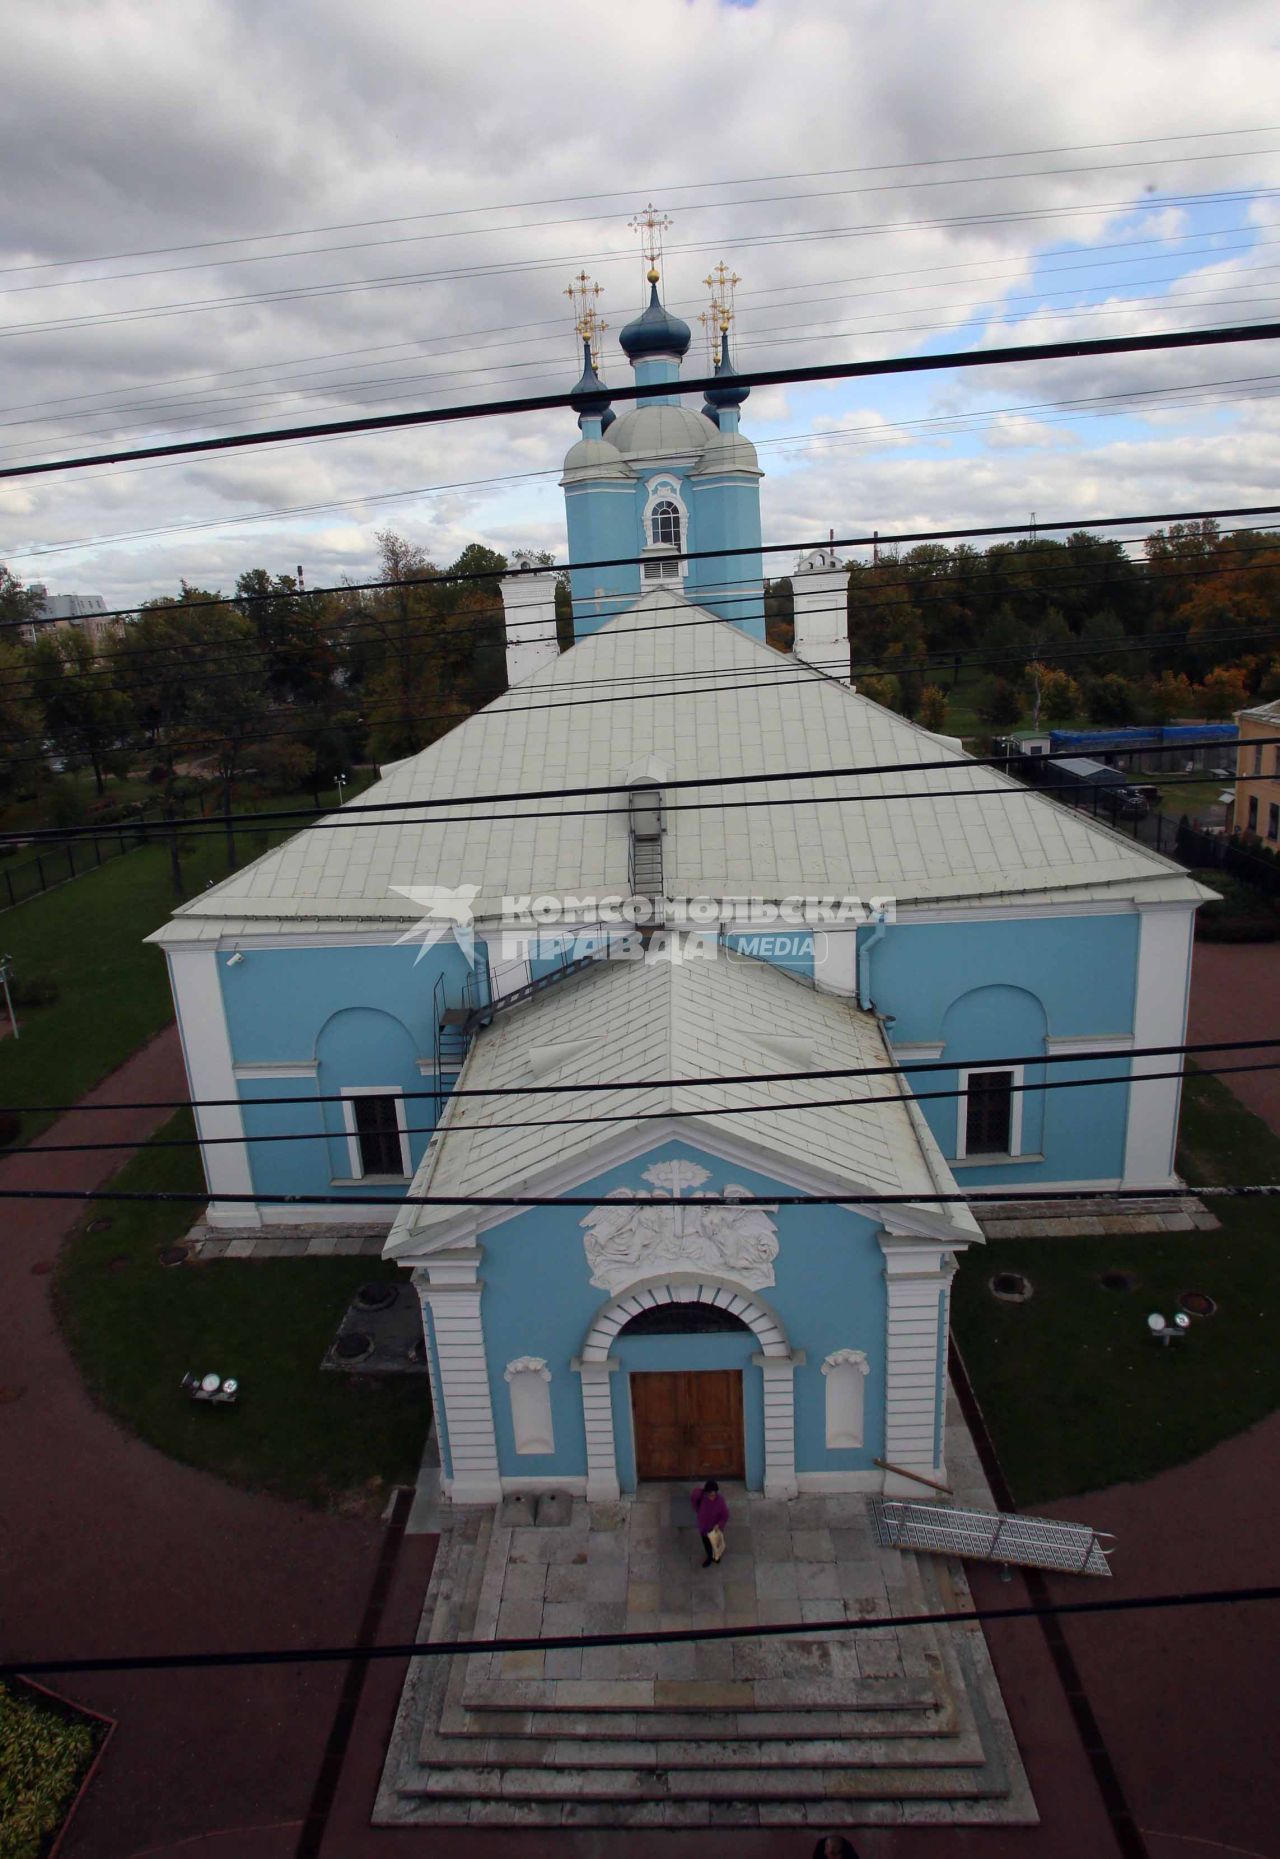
[[660, 556], [1014, 1150], [353, 1135]]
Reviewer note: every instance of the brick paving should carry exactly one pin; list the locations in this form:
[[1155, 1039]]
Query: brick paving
[[107, 1546], [1235, 994]]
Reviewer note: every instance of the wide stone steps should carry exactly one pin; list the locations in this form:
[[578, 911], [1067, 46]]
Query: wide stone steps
[[488, 1751], [791, 1784]]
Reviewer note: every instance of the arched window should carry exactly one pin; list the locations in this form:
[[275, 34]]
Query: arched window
[[664, 525]]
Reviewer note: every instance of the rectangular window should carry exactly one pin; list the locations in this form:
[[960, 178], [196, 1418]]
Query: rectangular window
[[1257, 759], [988, 1128], [1253, 813], [377, 1145], [1273, 821]]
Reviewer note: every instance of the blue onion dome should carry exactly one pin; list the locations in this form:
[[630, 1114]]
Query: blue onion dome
[[710, 413], [590, 398], [656, 331], [729, 395], [607, 421]]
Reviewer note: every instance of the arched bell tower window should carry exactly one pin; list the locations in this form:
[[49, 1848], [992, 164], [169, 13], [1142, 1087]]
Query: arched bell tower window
[[665, 528], [664, 524]]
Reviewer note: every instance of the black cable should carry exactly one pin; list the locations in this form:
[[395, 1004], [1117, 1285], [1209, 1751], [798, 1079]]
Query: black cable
[[490, 269], [668, 187], [355, 810], [453, 577], [849, 1197], [636, 1116], [693, 206], [339, 630], [906, 1064], [674, 1636], [766, 377], [321, 819]]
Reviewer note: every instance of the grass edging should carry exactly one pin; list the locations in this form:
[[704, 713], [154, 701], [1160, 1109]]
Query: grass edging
[[135, 1326], [1076, 1394]]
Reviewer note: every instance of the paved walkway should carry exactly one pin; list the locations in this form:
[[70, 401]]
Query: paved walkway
[[107, 1546], [1235, 994]]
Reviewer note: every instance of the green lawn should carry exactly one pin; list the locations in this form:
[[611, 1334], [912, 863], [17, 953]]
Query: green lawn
[[113, 989], [329, 1439], [1076, 1393]]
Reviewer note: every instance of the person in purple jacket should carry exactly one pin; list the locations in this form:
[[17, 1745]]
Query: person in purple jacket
[[712, 1513]]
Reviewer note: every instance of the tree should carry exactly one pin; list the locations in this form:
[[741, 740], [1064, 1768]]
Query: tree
[[881, 690], [1112, 699], [86, 717], [933, 707], [1063, 698], [20, 719], [998, 702], [1055, 696], [1170, 695], [1223, 692]]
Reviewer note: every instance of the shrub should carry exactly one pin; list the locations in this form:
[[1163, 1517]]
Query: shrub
[[1238, 914], [44, 1752], [10, 1127]]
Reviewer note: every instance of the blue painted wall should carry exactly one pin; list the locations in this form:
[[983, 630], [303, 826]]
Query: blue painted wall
[[998, 989], [363, 1016], [538, 1301]]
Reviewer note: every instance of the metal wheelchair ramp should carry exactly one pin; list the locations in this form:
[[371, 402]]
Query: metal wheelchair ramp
[[990, 1536]]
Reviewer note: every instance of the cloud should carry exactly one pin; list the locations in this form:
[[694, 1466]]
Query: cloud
[[395, 142]]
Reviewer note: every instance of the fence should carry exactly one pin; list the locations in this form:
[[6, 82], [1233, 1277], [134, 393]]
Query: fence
[[58, 864]]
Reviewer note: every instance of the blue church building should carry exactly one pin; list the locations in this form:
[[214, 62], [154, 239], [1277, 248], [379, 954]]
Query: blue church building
[[744, 1040]]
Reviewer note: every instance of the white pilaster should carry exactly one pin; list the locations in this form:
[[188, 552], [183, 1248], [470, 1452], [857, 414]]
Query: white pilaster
[[450, 1284], [917, 1273], [835, 967], [529, 610], [779, 1373], [206, 1049], [1161, 999], [820, 597], [597, 1421]]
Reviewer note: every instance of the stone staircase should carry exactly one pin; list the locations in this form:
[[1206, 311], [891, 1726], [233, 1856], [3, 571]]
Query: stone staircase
[[816, 1730]]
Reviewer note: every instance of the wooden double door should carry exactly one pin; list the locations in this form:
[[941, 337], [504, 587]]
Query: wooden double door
[[688, 1424]]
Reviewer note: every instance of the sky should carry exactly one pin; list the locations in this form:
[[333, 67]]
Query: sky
[[229, 216]]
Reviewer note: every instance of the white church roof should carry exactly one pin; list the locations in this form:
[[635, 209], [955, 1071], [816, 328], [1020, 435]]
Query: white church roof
[[669, 680], [637, 1021]]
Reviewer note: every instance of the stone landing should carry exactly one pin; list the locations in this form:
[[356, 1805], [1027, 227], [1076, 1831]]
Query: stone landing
[[811, 1729]]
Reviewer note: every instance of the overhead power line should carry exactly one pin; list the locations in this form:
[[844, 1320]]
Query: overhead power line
[[668, 187], [674, 1636], [322, 819], [767, 377], [425, 346], [906, 1064], [975, 1197], [694, 206], [874, 1102], [613, 256], [882, 540]]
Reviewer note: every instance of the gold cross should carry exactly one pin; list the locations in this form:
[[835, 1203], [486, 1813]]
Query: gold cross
[[650, 226]]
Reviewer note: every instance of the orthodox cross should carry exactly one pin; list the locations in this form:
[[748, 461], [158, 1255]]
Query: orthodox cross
[[582, 293], [650, 226]]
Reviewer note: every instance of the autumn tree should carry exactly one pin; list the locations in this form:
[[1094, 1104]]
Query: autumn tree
[[86, 716]]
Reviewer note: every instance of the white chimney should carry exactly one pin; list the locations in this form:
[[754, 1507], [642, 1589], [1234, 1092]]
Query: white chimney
[[529, 612], [820, 593]]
